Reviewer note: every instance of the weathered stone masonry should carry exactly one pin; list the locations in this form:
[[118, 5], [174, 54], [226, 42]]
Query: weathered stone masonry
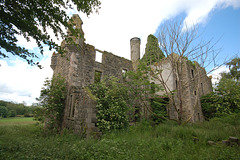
[[78, 66]]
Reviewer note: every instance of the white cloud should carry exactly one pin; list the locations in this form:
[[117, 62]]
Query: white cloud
[[22, 82], [119, 21], [216, 76], [31, 44]]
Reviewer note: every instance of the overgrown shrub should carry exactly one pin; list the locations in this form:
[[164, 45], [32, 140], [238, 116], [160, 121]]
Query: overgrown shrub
[[3, 111], [224, 100], [12, 113], [38, 114], [52, 99], [112, 106], [28, 115], [159, 108]]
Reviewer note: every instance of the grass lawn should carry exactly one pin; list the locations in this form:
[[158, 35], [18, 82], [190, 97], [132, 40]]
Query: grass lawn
[[17, 121], [141, 142]]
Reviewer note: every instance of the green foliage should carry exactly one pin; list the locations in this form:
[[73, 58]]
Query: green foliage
[[28, 115], [234, 67], [229, 90], [225, 99], [33, 19], [189, 61], [97, 76], [141, 89], [112, 100], [139, 142], [159, 108], [52, 99], [209, 105], [38, 114], [20, 108], [152, 51], [12, 113], [3, 111]]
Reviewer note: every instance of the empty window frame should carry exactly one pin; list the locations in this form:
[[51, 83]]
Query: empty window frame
[[124, 71], [192, 72], [176, 82], [71, 106], [97, 76], [202, 88], [98, 57]]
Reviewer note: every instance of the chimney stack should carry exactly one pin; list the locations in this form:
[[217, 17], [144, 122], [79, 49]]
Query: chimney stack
[[135, 51]]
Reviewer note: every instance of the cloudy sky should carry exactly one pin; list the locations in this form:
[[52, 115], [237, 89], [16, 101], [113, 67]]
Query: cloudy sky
[[113, 27]]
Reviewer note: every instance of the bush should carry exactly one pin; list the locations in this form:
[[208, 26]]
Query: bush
[[12, 113], [225, 99], [111, 97], [159, 108], [3, 111], [38, 114], [28, 115], [52, 99]]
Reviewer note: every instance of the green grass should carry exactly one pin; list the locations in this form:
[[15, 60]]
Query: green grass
[[17, 121], [165, 141]]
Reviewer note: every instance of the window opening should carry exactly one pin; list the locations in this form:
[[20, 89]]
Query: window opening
[[192, 73], [124, 71], [195, 93], [74, 26], [176, 84], [202, 88], [72, 106], [97, 76], [98, 57]]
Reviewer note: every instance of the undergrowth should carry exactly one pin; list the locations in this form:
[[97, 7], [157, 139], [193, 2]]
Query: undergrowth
[[142, 141]]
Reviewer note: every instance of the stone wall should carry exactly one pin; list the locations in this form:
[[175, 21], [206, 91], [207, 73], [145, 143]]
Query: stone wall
[[79, 66], [194, 82]]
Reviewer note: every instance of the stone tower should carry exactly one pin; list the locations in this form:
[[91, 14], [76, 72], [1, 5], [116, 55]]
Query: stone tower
[[135, 51]]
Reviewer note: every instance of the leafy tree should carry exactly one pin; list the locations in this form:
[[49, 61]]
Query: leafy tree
[[229, 91], [234, 67], [225, 99], [52, 99], [141, 90], [159, 108], [33, 19], [12, 113], [3, 111], [152, 51], [112, 104]]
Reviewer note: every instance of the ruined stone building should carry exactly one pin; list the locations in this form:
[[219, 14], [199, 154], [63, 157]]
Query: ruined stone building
[[194, 81], [80, 69]]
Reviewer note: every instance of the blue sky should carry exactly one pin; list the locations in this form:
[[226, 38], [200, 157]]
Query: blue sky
[[224, 24], [116, 24]]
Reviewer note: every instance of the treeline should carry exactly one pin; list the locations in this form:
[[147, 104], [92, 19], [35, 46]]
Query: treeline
[[11, 109]]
